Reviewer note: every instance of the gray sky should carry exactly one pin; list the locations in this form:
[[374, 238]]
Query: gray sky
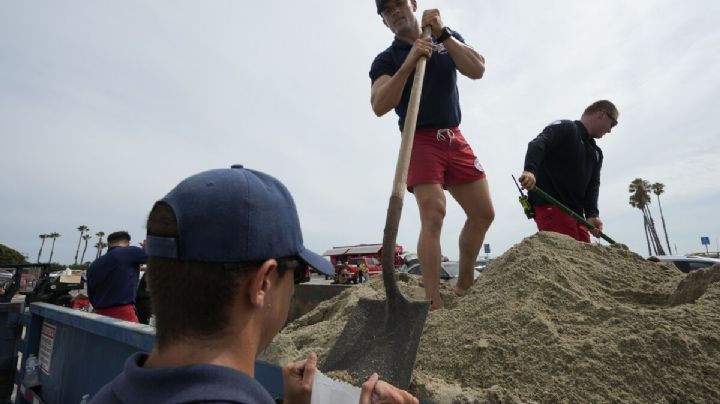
[[105, 106]]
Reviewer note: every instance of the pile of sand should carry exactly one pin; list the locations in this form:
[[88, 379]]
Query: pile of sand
[[553, 320]]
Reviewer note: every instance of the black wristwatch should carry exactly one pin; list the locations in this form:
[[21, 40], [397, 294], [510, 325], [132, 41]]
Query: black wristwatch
[[446, 33]]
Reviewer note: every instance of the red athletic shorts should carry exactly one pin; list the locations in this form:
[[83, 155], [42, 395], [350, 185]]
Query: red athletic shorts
[[125, 312], [442, 156], [552, 218]]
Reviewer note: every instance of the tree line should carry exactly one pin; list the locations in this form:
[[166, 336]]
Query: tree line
[[640, 198], [84, 235]]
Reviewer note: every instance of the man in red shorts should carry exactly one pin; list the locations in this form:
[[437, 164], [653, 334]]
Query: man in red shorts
[[441, 157], [564, 161], [112, 279]]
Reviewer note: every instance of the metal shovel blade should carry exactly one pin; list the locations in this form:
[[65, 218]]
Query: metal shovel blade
[[380, 336]]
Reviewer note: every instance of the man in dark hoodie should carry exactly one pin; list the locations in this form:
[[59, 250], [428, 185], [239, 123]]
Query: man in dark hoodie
[[565, 162]]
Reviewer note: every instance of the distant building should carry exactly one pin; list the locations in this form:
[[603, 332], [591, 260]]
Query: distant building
[[344, 253]]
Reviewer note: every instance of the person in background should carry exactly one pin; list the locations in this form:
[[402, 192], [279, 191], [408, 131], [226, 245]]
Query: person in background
[[565, 162], [226, 252], [339, 266], [343, 277], [362, 272], [112, 279]]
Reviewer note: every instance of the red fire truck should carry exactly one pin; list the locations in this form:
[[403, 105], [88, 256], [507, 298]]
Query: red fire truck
[[349, 257]]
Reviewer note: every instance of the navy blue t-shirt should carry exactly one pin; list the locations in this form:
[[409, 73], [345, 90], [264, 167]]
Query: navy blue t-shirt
[[185, 384], [112, 279], [440, 100]]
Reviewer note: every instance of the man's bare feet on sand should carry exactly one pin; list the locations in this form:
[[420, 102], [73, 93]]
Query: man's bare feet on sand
[[459, 292]]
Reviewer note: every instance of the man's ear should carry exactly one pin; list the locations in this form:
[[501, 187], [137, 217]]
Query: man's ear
[[414, 5], [258, 283]]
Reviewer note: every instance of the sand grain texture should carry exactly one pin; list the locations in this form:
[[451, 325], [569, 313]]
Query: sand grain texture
[[553, 320]]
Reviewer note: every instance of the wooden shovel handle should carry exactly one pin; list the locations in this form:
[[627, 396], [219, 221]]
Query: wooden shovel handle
[[394, 212]]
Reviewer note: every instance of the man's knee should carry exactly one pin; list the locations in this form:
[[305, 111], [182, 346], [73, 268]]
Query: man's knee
[[432, 217], [431, 204], [488, 217], [482, 219]]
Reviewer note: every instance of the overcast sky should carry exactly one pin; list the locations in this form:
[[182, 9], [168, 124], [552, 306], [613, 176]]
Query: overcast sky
[[106, 106]]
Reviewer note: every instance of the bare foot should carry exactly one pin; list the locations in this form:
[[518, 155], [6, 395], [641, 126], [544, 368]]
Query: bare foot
[[459, 292], [436, 304]]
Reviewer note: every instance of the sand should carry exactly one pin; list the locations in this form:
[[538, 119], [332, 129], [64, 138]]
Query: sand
[[552, 320]]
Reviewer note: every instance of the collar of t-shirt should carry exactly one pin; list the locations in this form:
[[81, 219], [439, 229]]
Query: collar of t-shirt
[[583, 132], [194, 383]]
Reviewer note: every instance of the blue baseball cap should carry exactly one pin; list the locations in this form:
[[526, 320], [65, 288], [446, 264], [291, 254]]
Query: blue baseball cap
[[233, 215]]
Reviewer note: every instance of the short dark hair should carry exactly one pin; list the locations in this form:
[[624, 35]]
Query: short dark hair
[[601, 105], [190, 299], [118, 236]]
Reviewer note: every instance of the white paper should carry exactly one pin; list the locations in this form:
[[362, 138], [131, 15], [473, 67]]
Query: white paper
[[329, 391]]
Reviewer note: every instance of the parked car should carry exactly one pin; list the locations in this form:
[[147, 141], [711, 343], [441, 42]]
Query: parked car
[[444, 275], [449, 271], [453, 269], [481, 263], [686, 264], [38, 284], [409, 261]]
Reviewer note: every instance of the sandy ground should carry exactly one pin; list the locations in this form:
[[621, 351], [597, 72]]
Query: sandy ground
[[552, 321]]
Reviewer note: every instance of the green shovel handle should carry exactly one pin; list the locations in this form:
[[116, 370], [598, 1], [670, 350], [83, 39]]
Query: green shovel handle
[[567, 210]]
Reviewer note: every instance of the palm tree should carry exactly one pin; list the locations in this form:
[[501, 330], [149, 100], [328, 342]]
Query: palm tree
[[640, 198], [82, 229], [653, 233], [86, 238], [53, 236], [43, 237], [100, 235], [658, 189], [100, 245]]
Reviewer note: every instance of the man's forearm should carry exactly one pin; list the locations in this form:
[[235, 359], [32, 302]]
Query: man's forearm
[[469, 62], [535, 155], [387, 92]]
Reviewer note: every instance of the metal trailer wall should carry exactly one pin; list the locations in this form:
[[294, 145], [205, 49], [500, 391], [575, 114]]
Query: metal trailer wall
[[307, 296], [10, 331], [79, 352]]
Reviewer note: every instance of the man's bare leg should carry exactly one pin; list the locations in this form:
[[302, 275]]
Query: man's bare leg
[[475, 200], [431, 203]]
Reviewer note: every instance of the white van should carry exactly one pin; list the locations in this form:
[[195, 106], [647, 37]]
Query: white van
[[686, 264]]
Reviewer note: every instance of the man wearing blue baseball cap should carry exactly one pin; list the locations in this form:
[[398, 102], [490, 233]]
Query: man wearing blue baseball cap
[[225, 252]]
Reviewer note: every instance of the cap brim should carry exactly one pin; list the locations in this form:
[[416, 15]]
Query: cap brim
[[317, 262]]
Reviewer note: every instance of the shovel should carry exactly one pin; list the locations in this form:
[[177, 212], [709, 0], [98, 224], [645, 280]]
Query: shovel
[[570, 212], [383, 336]]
